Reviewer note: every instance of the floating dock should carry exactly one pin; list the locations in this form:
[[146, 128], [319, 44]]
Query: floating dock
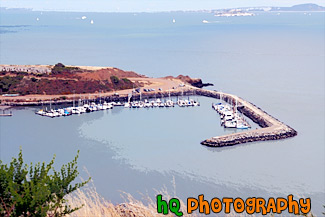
[[6, 115]]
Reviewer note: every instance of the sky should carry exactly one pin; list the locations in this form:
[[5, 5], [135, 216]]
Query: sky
[[144, 5]]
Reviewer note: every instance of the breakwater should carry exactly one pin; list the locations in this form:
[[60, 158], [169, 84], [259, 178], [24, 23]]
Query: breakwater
[[271, 128]]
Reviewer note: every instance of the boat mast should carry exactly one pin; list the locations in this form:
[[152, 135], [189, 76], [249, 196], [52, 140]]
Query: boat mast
[[74, 94], [236, 106], [169, 94]]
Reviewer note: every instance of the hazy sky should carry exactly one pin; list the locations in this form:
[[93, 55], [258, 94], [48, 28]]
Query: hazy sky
[[144, 5]]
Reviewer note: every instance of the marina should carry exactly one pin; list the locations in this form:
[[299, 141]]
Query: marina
[[86, 106], [232, 110], [230, 118], [271, 128]]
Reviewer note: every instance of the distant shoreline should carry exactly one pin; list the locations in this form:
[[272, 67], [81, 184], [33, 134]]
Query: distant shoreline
[[306, 7]]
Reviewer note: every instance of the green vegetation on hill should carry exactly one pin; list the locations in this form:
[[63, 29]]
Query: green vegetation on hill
[[8, 82], [59, 68]]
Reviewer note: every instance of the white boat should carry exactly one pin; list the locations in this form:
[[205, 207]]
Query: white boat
[[127, 105], [118, 104], [228, 115], [49, 114], [75, 110], [169, 103], [181, 103], [196, 103], [189, 102], [81, 109], [93, 107], [241, 126], [40, 112], [147, 104], [107, 105], [230, 124]]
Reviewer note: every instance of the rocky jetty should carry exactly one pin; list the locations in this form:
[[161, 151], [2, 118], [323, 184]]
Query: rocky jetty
[[195, 82], [271, 128]]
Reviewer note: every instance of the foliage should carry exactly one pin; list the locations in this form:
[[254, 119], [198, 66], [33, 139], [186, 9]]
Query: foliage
[[7, 82], [115, 80], [37, 190], [127, 81], [34, 79], [59, 68]]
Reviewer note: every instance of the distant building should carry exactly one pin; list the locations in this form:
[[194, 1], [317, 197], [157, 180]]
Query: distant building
[[28, 69]]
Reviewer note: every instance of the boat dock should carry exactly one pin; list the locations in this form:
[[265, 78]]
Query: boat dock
[[3, 114], [6, 115]]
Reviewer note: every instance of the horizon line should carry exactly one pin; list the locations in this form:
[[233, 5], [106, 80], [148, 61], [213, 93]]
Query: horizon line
[[156, 11]]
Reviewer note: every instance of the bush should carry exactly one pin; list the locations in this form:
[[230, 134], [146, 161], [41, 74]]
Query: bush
[[127, 81], [59, 68], [8, 82], [115, 79], [36, 190]]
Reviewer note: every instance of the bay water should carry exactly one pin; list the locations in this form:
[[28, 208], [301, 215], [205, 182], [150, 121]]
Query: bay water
[[274, 60]]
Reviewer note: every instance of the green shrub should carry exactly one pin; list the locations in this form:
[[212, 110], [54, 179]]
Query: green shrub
[[8, 82], [36, 190], [127, 81], [60, 68], [115, 79]]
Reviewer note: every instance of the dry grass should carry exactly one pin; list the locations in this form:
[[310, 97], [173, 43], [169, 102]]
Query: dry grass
[[95, 205]]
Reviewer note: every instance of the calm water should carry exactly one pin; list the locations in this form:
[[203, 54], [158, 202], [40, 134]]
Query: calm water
[[274, 61]]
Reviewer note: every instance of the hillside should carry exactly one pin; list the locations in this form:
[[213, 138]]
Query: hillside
[[301, 7], [65, 80]]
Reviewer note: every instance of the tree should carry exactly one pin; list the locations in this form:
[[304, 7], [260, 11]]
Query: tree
[[37, 190]]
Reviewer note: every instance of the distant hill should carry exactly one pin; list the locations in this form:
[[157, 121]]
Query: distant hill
[[302, 7]]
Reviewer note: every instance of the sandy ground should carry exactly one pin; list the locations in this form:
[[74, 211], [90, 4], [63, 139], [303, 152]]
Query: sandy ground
[[156, 83]]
